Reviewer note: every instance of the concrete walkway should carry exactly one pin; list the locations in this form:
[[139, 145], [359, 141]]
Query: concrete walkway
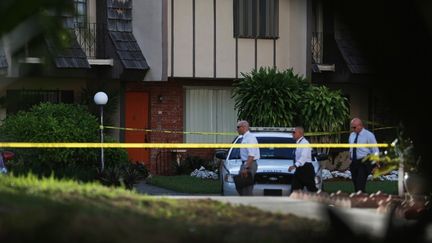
[[145, 188]]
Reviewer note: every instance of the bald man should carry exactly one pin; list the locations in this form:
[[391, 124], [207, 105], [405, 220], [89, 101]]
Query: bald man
[[360, 167], [249, 156]]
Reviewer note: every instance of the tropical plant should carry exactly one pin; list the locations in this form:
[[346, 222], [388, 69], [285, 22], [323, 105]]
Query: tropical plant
[[399, 153], [323, 110], [268, 97]]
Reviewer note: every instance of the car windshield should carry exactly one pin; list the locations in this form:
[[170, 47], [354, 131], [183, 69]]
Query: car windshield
[[269, 153]]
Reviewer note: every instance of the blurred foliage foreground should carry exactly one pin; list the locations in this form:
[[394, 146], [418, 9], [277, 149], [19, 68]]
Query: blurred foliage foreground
[[51, 210]]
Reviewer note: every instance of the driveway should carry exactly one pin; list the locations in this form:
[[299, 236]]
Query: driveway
[[145, 188]]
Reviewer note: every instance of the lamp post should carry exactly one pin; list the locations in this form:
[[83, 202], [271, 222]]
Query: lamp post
[[101, 98]]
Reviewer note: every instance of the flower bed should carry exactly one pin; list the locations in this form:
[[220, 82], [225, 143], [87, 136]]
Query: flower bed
[[335, 175]]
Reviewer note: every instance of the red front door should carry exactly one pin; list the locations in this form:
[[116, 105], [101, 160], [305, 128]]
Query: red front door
[[137, 109]]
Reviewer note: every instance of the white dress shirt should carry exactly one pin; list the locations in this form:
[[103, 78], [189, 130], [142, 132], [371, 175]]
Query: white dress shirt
[[302, 155], [249, 138], [364, 137]]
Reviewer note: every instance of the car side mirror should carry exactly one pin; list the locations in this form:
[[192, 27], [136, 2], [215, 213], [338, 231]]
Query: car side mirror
[[221, 154]]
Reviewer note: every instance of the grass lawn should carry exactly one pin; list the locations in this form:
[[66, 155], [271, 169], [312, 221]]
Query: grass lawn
[[193, 185], [49, 210], [187, 184], [389, 187]]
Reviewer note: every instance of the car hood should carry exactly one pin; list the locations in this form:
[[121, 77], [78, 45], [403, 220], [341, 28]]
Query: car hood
[[264, 166]]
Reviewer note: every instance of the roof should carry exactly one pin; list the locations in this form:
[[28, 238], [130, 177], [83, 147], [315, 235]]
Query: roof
[[271, 129], [128, 50], [349, 48], [119, 14], [273, 134], [71, 56]]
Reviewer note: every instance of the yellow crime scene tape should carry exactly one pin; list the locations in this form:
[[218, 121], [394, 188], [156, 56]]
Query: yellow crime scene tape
[[191, 145], [223, 133], [185, 145], [168, 131]]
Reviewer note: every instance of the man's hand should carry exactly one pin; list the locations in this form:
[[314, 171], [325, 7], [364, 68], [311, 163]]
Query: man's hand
[[244, 172], [292, 167]]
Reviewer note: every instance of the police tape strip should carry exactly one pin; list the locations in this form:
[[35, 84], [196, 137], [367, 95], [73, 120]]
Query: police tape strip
[[168, 131], [222, 133], [185, 145]]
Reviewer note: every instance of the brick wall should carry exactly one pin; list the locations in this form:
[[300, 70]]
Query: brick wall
[[166, 114]]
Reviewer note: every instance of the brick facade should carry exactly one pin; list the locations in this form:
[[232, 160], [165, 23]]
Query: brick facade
[[166, 114]]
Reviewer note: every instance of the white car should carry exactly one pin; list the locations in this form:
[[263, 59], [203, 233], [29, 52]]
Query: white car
[[272, 177]]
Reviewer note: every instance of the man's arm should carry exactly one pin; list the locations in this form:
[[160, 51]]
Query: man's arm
[[374, 150]]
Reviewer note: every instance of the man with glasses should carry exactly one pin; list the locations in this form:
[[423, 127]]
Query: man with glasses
[[360, 167], [304, 171], [249, 156]]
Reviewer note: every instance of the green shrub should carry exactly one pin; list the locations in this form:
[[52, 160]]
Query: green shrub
[[127, 175], [48, 122]]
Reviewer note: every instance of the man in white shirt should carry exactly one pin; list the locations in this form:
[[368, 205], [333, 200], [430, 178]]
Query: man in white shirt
[[249, 156], [305, 173], [360, 167]]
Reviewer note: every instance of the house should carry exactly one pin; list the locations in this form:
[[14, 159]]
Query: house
[[170, 64], [340, 62], [197, 48], [100, 54]]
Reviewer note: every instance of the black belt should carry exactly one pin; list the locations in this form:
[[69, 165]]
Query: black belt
[[246, 160], [305, 164]]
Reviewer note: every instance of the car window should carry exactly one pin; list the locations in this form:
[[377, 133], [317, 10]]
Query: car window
[[235, 152], [276, 153], [269, 153]]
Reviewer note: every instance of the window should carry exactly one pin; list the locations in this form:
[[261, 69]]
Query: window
[[256, 19], [269, 153], [209, 110], [80, 12], [17, 100], [317, 32]]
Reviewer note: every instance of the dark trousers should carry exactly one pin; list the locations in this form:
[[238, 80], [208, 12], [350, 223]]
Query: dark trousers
[[248, 191], [359, 173], [304, 177]]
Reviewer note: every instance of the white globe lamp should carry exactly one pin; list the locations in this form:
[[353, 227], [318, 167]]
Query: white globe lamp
[[101, 99]]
